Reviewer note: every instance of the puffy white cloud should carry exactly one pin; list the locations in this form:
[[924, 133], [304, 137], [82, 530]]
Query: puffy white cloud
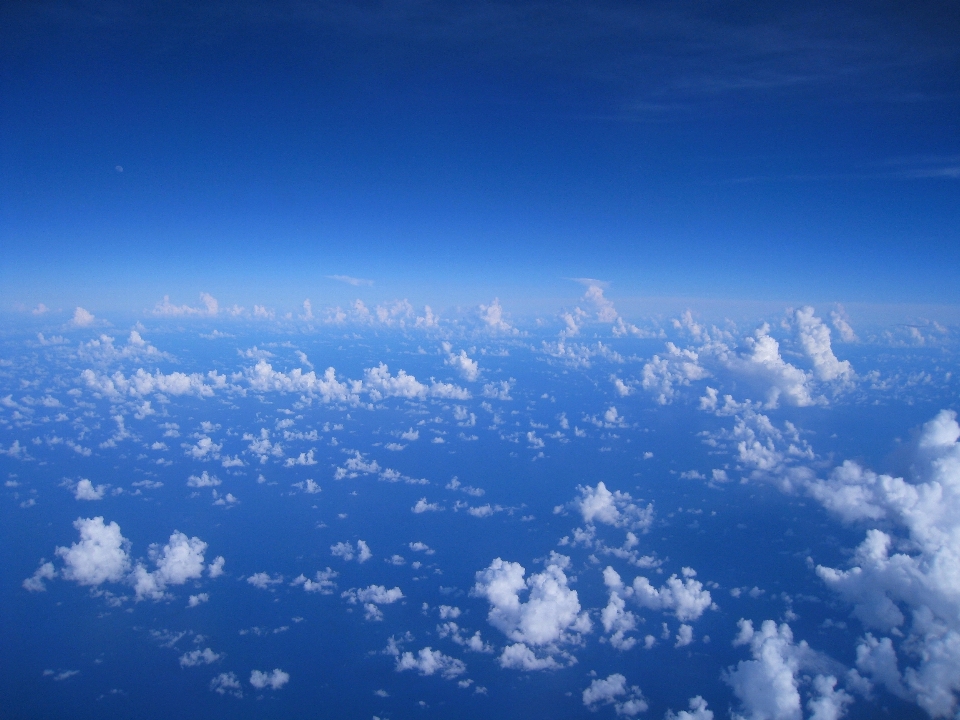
[[498, 390], [210, 307], [322, 583], [143, 383], [616, 619], [698, 711], [226, 683], [814, 338], [598, 504], [181, 559], [35, 583], [273, 680], [469, 369], [678, 367], [85, 490], [204, 479], [345, 550], [906, 586], [492, 316], [423, 506], [215, 569], [263, 378], [769, 686], [199, 657], [198, 599], [82, 318], [686, 599], [842, 326], [376, 594], [613, 690], [379, 384], [100, 556], [430, 662], [549, 617], [764, 363]]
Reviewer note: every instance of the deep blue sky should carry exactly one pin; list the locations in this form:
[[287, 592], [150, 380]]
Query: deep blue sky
[[451, 150]]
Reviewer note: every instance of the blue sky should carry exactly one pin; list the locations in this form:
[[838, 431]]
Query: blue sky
[[778, 152]]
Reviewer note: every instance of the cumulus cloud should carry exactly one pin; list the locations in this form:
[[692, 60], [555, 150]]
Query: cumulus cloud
[[101, 555], [599, 505], [684, 598], [35, 583], [322, 583], [663, 374], [906, 587], [814, 338], [492, 317], [85, 490], [379, 383], [613, 690], [469, 369], [82, 318], [142, 383], [226, 683], [769, 686], [210, 307], [430, 662], [549, 618], [199, 657], [346, 551], [180, 560], [698, 711], [272, 680]]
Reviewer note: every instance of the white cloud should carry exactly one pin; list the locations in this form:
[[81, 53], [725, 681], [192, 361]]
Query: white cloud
[[769, 686], [346, 551], [199, 657], [204, 479], [423, 506], [783, 380], [469, 369], [612, 508], [100, 556], [815, 340], [85, 490], [379, 383], [377, 594], [498, 390], [210, 307], [35, 583], [613, 690], [678, 367], [492, 316], [686, 599], [549, 617], [842, 325], [431, 662], [906, 587], [197, 600], [421, 547], [264, 580], [82, 318], [698, 711], [143, 383], [226, 683], [273, 680], [181, 559], [323, 582], [356, 282]]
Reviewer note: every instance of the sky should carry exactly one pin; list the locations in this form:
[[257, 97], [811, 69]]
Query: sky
[[732, 153], [523, 359]]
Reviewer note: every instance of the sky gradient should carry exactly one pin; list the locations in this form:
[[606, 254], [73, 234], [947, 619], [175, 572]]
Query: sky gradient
[[782, 153]]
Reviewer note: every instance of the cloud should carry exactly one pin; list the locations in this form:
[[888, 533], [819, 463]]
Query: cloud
[[469, 369], [686, 599], [263, 580], [430, 662], [181, 559], [85, 490], [204, 479], [211, 308], [906, 587], [815, 340], [35, 583], [226, 683], [613, 690], [549, 617], [142, 383], [323, 582], [356, 282], [379, 383], [82, 318], [100, 556], [698, 711], [423, 506], [598, 504], [346, 551], [273, 680], [199, 657], [492, 317], [663, 374], [769, 685]]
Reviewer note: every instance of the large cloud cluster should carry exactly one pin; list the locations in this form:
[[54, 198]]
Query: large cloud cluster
[[550, 617]]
